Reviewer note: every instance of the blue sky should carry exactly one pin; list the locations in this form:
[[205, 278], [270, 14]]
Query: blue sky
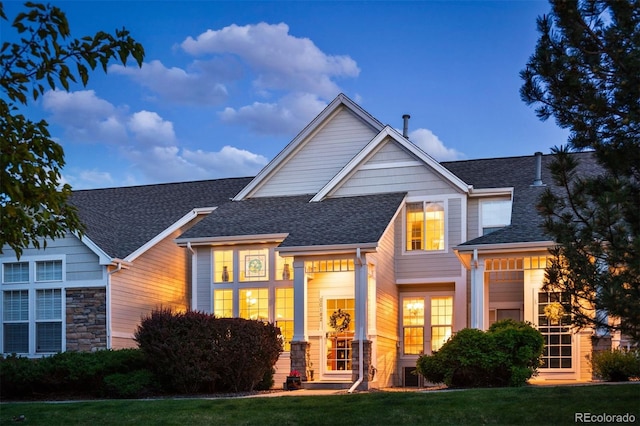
[[226, 85]]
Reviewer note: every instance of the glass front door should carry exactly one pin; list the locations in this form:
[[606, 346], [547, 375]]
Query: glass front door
[[339, 327]]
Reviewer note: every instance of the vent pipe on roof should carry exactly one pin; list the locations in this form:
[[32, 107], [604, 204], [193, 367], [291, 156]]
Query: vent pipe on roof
[[405, 128], [538, 180]]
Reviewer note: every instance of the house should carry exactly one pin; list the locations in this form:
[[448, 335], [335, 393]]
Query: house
[[362, 248]]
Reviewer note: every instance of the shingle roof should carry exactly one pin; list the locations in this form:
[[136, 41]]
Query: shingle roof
[[121, 220], [333, 221], [519, 173]]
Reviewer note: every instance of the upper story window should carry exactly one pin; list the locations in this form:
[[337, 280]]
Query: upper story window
[[222, 266], [15, 272], [494, 214], [49, 270], [254, 265], [425, 224]]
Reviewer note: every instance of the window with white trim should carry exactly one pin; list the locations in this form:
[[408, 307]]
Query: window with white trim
[[425, 225], [494, 214], [15, 321], [15, 272]]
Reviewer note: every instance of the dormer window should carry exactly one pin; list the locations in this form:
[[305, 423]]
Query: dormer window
[[425, 226], [494, 214]]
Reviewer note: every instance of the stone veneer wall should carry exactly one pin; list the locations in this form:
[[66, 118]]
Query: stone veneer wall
[[86, 319], [367, 367]]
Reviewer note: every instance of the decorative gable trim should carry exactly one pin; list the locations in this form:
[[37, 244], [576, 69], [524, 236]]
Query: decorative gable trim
[[341, 101], [357, 163]]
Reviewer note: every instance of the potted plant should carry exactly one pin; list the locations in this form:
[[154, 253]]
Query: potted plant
[[294, 382]]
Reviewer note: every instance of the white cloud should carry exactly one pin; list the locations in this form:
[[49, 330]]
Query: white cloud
[[149, 128], [85, 117], [432, 145], [286, 117], [201, 85], [280, 60]]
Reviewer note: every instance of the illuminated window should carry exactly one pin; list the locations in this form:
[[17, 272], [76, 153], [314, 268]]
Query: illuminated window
[[441, 321], [284, 315], [284, 268], [223, 303], [254, 303], [495, 214], [222, 266], [425, 226], [413, 325], [254, 265], [554, 320]]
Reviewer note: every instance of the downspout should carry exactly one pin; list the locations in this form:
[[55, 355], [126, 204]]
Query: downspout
[[361, 334], [108, 300], [194, 296]]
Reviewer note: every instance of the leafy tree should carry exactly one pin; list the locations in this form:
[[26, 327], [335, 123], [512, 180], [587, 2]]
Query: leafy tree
[[33, 200], [585, 72]]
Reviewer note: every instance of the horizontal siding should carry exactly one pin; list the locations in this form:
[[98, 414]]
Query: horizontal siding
[[506, 292], [416, 180], [158, 278], [390, 152], [204, 280], [336, 144], [473, 215], [82, 264]]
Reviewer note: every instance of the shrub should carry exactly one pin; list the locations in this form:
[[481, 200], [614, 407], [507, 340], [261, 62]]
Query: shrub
[[137, 384], [67, 373], [193, 351], [617, 365], [507, 354]]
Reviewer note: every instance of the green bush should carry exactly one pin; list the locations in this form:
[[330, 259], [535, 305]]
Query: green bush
[[508, 354], [617, 365], [80, 373], [137, 384], [193, 352]]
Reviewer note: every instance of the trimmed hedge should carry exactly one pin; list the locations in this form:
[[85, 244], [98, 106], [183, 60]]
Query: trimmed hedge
[[508, 354], [70, 373], [194, 352]]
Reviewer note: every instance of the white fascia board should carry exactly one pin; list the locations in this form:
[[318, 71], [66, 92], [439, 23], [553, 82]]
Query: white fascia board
[[296, 143], [505, 247], [232, 240], [363, 155], [327, 249], [103, 258], [164, 234], [491, 192]]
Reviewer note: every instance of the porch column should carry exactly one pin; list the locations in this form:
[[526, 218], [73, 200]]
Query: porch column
[[479, 297], [299, 302], [362, 296]]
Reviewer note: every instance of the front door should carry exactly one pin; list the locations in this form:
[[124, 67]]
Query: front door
[[339, 328]]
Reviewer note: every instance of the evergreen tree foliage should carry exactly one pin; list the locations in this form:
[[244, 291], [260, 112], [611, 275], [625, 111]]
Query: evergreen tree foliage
[[585, 73], [33, 199]]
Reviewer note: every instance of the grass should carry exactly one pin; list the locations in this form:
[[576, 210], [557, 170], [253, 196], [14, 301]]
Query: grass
[[527, 405]]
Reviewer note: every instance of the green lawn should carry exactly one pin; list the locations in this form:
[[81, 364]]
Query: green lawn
[[527, 405]]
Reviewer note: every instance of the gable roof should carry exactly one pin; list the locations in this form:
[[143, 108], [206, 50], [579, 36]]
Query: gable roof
[[372, 146], [519, 173], [121, 221], [340, 101], [331, 222]]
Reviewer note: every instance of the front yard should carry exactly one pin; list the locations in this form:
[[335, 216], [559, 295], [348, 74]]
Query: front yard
[[533, 405]]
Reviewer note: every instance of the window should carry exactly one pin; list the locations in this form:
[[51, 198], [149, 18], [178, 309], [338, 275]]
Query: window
[[50, 270], [413, 325], [15, 272], [441, 321], [284, 315], [254, 265], [284, 268], [223, 303], [15, 319], [554, 324], [48, 321], [425, 226], [495, 214], [222, 266], [254, 303]]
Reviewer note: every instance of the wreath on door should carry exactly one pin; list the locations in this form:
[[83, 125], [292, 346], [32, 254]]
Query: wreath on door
[[340, 320]]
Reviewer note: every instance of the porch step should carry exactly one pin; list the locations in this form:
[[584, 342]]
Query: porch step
[[329, 385]]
